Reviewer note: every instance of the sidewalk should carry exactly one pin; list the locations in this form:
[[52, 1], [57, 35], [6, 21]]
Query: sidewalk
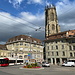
[[55, 65]]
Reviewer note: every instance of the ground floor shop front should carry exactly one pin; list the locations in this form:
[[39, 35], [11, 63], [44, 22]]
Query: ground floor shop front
[[56, 61]]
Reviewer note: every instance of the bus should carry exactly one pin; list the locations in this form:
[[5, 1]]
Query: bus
[[14, 61], [4, 61], [10, 61]]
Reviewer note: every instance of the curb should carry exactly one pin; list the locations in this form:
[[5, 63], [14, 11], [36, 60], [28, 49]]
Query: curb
[[32, 68]]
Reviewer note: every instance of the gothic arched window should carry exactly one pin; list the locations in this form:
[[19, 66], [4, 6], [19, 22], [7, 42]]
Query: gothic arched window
[[52, 16], [53, 26]]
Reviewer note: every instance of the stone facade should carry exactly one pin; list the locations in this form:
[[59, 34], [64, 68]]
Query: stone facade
[[51, 21], [3, 51], [25, 47], [59, 46]]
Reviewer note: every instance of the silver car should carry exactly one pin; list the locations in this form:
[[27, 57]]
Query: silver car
[[45, 65]]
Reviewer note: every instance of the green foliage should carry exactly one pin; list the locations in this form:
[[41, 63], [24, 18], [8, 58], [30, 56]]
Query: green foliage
[[31, 65], [36, 64], [26, 63]]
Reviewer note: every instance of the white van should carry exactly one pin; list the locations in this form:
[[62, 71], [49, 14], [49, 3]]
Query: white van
[[69, 64]]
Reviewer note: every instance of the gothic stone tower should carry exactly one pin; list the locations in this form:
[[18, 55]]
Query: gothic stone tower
[[51, 21]]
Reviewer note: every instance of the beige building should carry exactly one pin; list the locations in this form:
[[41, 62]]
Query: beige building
[[59, 46], [25, 47], [3, 51]]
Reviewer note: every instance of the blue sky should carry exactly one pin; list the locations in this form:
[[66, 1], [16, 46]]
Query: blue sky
[[17, 6], [25, 16]]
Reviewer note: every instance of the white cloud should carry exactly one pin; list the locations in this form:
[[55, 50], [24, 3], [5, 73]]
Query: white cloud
[[47, 3], [11, 26], [25, 18], [64, 6], [16, 3], [66, 15], [1, 42], [35, 1], [28, 16]]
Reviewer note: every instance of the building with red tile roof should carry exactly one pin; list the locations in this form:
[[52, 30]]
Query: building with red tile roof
[[25, 47], [59, 46]]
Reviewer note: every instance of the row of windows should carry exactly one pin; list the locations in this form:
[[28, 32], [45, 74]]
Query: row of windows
[[22, 44], [3, 53], [71, 47], [2, 56], [71, 41], [21, 57], [63, 41], [21, 51], [25, 56], [63, 54], [62, 47], [55, 42], [52, 47], [25, 44], [72, 54], [57, 53], [28, 40]]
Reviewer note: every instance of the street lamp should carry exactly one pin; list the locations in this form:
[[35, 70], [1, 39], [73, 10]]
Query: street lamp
[[29, 54], [16, 56]]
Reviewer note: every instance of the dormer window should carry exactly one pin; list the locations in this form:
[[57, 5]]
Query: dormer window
[[21, 38], [34, 41]]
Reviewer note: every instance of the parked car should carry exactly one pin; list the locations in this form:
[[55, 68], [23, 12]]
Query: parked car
[[45, 65], [72, 64]]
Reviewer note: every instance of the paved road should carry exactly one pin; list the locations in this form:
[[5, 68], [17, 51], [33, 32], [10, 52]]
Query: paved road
[[53, 70], [4, 73]]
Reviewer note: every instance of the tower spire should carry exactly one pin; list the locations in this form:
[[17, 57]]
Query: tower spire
[[51, 21], [49, 6]]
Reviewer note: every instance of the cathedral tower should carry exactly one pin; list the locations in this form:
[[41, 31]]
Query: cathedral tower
[[51, 21]]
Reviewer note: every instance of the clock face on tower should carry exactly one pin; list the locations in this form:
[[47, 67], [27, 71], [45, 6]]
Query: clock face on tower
[[53, 27]]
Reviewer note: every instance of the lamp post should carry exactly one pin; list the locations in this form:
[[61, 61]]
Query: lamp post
[[16, 60], [16, 56], [29, 49]]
